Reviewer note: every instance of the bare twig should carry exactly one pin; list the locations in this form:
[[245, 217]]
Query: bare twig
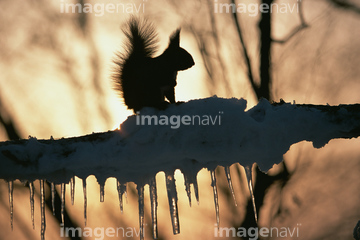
[[246, 55], [346, 5], [297, 29]]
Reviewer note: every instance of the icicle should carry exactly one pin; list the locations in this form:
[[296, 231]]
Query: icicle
[[11, 202], [141, 210], [249, 178], [121, 190], [72, 189], [187, 188], [188, 180], [216, 200], [196, 190], [228, 176], [154, 205], [62, 201], [31, 188], [172, 197], [53, 197], [42, 204], [85, 199], [102, 192]]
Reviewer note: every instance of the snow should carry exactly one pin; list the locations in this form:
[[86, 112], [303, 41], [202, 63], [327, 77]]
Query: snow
[[262, 135], [203, 133]]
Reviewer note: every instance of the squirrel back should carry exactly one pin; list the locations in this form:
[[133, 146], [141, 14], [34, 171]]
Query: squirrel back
[[144, 80]]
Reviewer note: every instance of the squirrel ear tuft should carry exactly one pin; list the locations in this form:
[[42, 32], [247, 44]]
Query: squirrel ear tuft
[[175, 38]]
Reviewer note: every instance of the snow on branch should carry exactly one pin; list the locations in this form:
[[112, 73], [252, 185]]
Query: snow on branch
[[203, 133], [199, 134]]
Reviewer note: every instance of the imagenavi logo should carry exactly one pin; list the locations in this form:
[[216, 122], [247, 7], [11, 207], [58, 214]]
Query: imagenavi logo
[[253, 233], [175, 121], [253, 9]]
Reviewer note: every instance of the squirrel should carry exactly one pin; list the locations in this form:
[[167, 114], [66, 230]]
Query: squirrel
[[142, 79]]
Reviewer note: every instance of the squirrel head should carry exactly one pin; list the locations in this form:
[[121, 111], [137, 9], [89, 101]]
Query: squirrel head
[[179, 58]]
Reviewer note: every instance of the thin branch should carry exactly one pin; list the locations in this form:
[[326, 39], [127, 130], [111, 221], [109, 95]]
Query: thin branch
[[215, 36], [8, 124], [297, 29], [212, 56], [246, 55], [204, 54], [346, 5]]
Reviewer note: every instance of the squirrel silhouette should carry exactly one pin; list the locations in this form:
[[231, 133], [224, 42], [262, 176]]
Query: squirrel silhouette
[[142, 79]]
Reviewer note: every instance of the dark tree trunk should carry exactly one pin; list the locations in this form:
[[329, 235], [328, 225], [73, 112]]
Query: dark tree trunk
[[265, 53]]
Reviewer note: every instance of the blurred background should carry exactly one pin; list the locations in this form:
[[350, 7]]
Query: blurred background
[[56, 66]]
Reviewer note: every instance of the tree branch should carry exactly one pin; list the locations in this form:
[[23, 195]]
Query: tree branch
[[246, 55], [297, 29], [346, 5], [135, 153]]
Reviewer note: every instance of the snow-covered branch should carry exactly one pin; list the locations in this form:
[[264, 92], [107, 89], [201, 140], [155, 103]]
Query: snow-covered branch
[[199, 134]]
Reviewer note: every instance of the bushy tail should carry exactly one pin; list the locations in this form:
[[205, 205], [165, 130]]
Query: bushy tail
[[141, 36], [141, 43]]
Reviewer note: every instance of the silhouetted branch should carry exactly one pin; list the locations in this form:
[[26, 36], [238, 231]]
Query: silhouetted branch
[[263, 91], [200, 40], [297, 29], [212, 56], [8, 124], [215, 35], [346, 5], [356, 232], [108, 152], [246, 55]]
